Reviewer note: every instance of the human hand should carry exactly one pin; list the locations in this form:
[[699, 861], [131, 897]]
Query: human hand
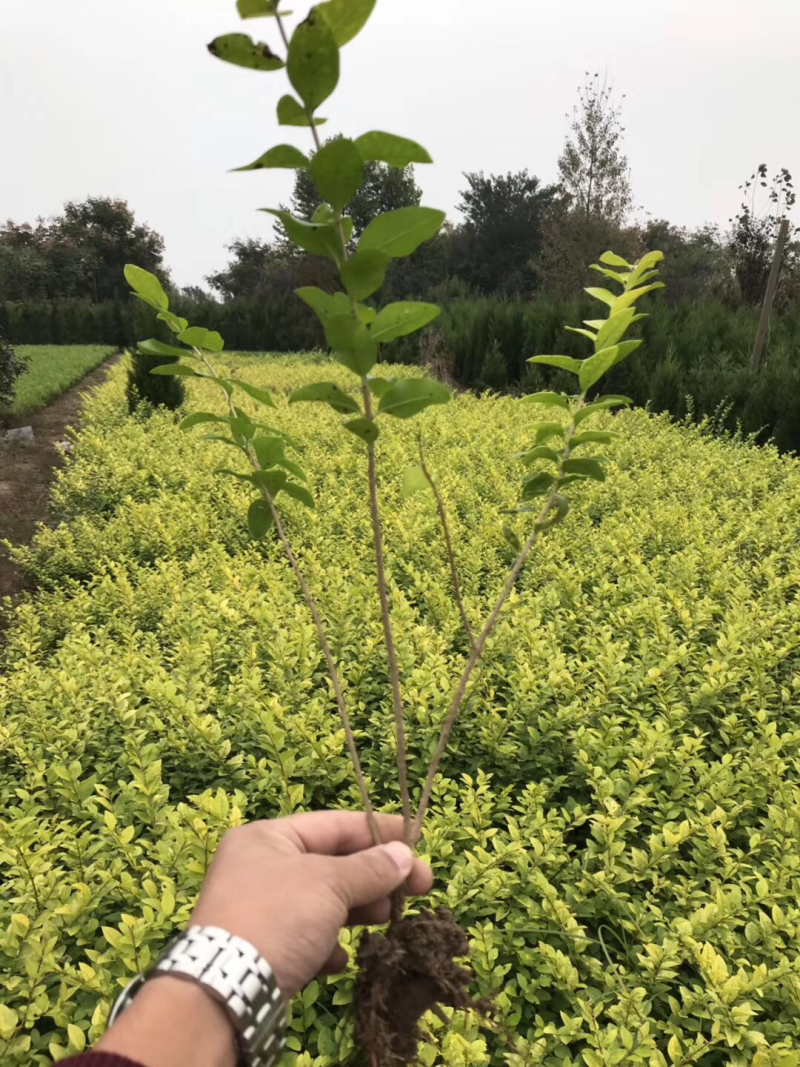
[[289, 885]]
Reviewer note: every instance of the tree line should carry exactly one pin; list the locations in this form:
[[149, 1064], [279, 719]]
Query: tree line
[[514, 237]]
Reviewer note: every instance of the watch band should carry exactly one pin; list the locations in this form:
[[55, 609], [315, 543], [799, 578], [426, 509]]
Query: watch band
[[233, 973]]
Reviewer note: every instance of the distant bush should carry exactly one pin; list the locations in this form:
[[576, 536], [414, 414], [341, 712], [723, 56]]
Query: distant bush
[[11, 366], [152, 390]]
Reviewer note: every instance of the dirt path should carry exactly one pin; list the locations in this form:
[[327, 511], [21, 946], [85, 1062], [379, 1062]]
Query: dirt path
[[26, 474]]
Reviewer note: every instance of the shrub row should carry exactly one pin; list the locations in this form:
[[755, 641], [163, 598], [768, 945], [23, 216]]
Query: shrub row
[[697, 361], [616, 824], [281, 324]]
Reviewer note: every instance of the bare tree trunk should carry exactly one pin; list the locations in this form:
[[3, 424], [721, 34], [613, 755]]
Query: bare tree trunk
[[769, 296]]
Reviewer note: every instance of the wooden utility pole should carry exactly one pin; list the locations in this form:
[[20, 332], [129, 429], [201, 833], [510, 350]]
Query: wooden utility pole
[[769, 296]]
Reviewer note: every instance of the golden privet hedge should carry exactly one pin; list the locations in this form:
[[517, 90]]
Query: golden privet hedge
[[618, 828]]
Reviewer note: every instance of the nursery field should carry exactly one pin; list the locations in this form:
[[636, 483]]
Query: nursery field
[[617, 820], [51, 369]]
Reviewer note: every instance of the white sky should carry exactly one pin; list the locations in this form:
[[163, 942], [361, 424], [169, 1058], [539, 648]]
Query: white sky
[[110, 97]]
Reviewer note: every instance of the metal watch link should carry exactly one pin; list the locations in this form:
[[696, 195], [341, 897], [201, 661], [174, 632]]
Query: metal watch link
[[233, 973]]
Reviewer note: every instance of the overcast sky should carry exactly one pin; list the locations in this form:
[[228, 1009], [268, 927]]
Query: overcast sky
[[110, 97]]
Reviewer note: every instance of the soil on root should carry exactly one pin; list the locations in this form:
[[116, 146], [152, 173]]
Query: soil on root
[[401, 976]]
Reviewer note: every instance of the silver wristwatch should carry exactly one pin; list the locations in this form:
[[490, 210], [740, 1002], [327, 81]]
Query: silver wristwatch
[[233, 973]]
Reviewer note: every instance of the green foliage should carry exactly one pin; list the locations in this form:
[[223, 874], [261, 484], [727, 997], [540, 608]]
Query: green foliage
[[153, 390], [615, 822], [48, 370], [243, 51], [78, 254], [698, 350], [13, 364]]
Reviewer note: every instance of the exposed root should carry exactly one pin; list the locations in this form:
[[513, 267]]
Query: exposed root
[[401, 976]]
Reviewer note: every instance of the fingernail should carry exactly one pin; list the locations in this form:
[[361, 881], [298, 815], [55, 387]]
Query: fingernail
[[401, 854]]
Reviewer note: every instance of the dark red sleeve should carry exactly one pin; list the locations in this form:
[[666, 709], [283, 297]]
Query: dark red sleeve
[[99, 1059]]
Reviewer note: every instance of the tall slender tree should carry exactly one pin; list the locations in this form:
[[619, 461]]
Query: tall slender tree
[[593, 169]]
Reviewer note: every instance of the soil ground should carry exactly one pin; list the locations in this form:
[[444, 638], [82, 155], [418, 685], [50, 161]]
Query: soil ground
[[26, 474]]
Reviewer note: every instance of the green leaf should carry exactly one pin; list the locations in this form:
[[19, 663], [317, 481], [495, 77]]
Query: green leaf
[[243, 51], [556, 400], [538, 452], [561, 505], [614, 260], [414, 481], [252, 9], [299, 492], [562, 362], [292, 113], [147, 287], [386, 147], [197, 337], [401, 232], [538, 484], [199, 417], [268, 450], [547, 430], [614, 328], [593, 368], [272, 480], [293, 468], [409, 396], [614, 275], [404, 317], [346, 18], [646, 263], [156, 348], [261, 395], [313, 60], [630, 298], [317, 237], [282, 155], [220, 437], [363, 428], [338, 170], [583, 333], [326, 393], [175, 322], [235, 474], [602, 294], [512, 539], [601, 404], [600, 437], [364, 273], [241, 424], [586, 468], [326, 305], [259, 519], [351, 342], [177, 370], [378, 386]]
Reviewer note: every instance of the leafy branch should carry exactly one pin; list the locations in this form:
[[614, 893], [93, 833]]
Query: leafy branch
[[355, 330]]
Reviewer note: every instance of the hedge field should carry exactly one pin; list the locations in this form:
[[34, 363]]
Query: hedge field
[[618, 818], [51, 369]]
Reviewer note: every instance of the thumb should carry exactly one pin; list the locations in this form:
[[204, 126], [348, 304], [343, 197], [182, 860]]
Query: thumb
[[364, 877]]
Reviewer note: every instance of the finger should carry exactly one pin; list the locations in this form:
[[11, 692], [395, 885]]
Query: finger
[[370, 875], [375, 914], [336, 962], [418, 883], [336, 833]]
